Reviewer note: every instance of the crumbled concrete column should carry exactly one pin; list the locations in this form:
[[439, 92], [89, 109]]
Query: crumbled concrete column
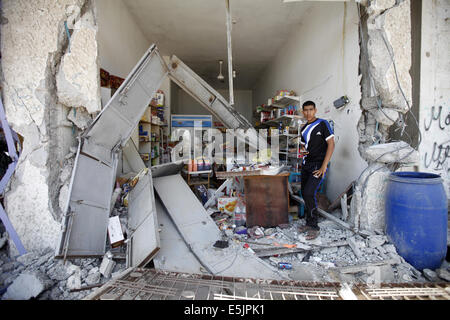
[[389, 37], [395, 152], [79, 117], [386, 86], [78, 76], [367, 210], [34, 42]]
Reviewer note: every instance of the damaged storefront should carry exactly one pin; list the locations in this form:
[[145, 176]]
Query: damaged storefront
[[123, 190]]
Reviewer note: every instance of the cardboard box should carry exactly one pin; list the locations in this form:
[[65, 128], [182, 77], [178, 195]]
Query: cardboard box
[[227, 204], [115, 233]]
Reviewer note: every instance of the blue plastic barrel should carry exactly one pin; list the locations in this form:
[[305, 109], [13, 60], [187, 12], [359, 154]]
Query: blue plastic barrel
[[416, 218]]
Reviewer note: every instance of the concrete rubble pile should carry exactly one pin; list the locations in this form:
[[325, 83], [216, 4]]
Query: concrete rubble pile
[[38, 275], [338, 255]]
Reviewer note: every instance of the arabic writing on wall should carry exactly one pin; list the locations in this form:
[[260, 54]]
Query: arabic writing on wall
[[437, 152]]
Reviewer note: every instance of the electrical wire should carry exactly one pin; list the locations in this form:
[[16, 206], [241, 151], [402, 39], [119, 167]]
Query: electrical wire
[[379, 104]]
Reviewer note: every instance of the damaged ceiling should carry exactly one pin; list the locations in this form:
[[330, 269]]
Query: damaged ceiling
[[195, 31]]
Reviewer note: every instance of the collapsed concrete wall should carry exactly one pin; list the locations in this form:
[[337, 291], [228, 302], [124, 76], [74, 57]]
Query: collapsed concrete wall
[[386, 98], [386, 57], [50, 91]]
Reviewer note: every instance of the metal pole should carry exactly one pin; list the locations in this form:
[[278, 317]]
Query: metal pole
[[230, 57], [4, 181]]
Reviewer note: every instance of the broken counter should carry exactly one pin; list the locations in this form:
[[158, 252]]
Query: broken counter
[[267, 200]]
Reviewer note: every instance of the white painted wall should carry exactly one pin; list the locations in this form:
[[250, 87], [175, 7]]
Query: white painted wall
[[434, 117], [185, 104], [121, 42], [320, 62]]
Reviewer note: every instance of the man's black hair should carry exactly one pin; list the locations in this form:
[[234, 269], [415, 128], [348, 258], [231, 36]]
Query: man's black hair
[[308, 103]]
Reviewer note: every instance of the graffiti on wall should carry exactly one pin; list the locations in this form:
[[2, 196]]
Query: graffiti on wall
[[437, 126]]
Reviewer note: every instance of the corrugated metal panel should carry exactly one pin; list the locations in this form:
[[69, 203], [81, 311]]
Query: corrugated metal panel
[[114, 125], [142, 219], [88, 209], [200, 232], [86, 218]]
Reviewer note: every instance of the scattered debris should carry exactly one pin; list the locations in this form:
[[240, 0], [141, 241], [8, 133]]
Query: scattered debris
[[443, 274], [430, 275], [221, 244], [107, 265], [27, 286]]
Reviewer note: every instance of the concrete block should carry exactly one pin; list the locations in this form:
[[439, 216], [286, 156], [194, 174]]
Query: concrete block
[[443, 274], [392, 152], [78, 76], [94, 270], [28, 258], [80, 117], [93, 278], [389, 248], [354, 245], [376, 241], [74, 281], [107, 265], [27, 286]]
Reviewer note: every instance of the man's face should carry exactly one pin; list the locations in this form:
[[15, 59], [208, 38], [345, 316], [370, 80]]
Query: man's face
[[309, 112]]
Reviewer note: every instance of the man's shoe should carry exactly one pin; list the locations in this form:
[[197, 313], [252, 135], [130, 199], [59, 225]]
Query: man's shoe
[[304, 229], [312, 234]]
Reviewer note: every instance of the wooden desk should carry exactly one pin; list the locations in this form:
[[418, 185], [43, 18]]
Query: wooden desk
[[267, 200]]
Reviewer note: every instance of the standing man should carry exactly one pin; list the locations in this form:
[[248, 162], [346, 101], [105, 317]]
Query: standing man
[[317, 140]]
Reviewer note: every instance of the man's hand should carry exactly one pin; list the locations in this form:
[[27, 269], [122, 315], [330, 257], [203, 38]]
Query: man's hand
[[320, 173], [303, 151]]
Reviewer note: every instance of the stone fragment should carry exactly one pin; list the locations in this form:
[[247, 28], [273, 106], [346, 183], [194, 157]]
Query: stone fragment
[[376, 241], [80, 117], [331, 250], [107, 265], [269, 231], [9, 266], [390, 248], [78, 77], [59, 272], [399, 152], [28, 258], [354, 245], [94, 270], [443, 274], [407, 277], [93, 278], [45, 258], [74, 281], [27, 286], [430, 275]]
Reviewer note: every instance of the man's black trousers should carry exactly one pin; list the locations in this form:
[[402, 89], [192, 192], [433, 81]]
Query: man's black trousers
[[310, 187]]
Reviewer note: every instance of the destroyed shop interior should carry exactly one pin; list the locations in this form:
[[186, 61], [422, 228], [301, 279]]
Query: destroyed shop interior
[[224, 150]]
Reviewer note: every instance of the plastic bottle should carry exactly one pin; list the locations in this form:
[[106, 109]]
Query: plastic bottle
[[115, 196], [239, 216]]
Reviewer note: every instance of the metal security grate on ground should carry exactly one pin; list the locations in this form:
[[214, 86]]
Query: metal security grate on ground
[[150, 284], [417, 291]]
